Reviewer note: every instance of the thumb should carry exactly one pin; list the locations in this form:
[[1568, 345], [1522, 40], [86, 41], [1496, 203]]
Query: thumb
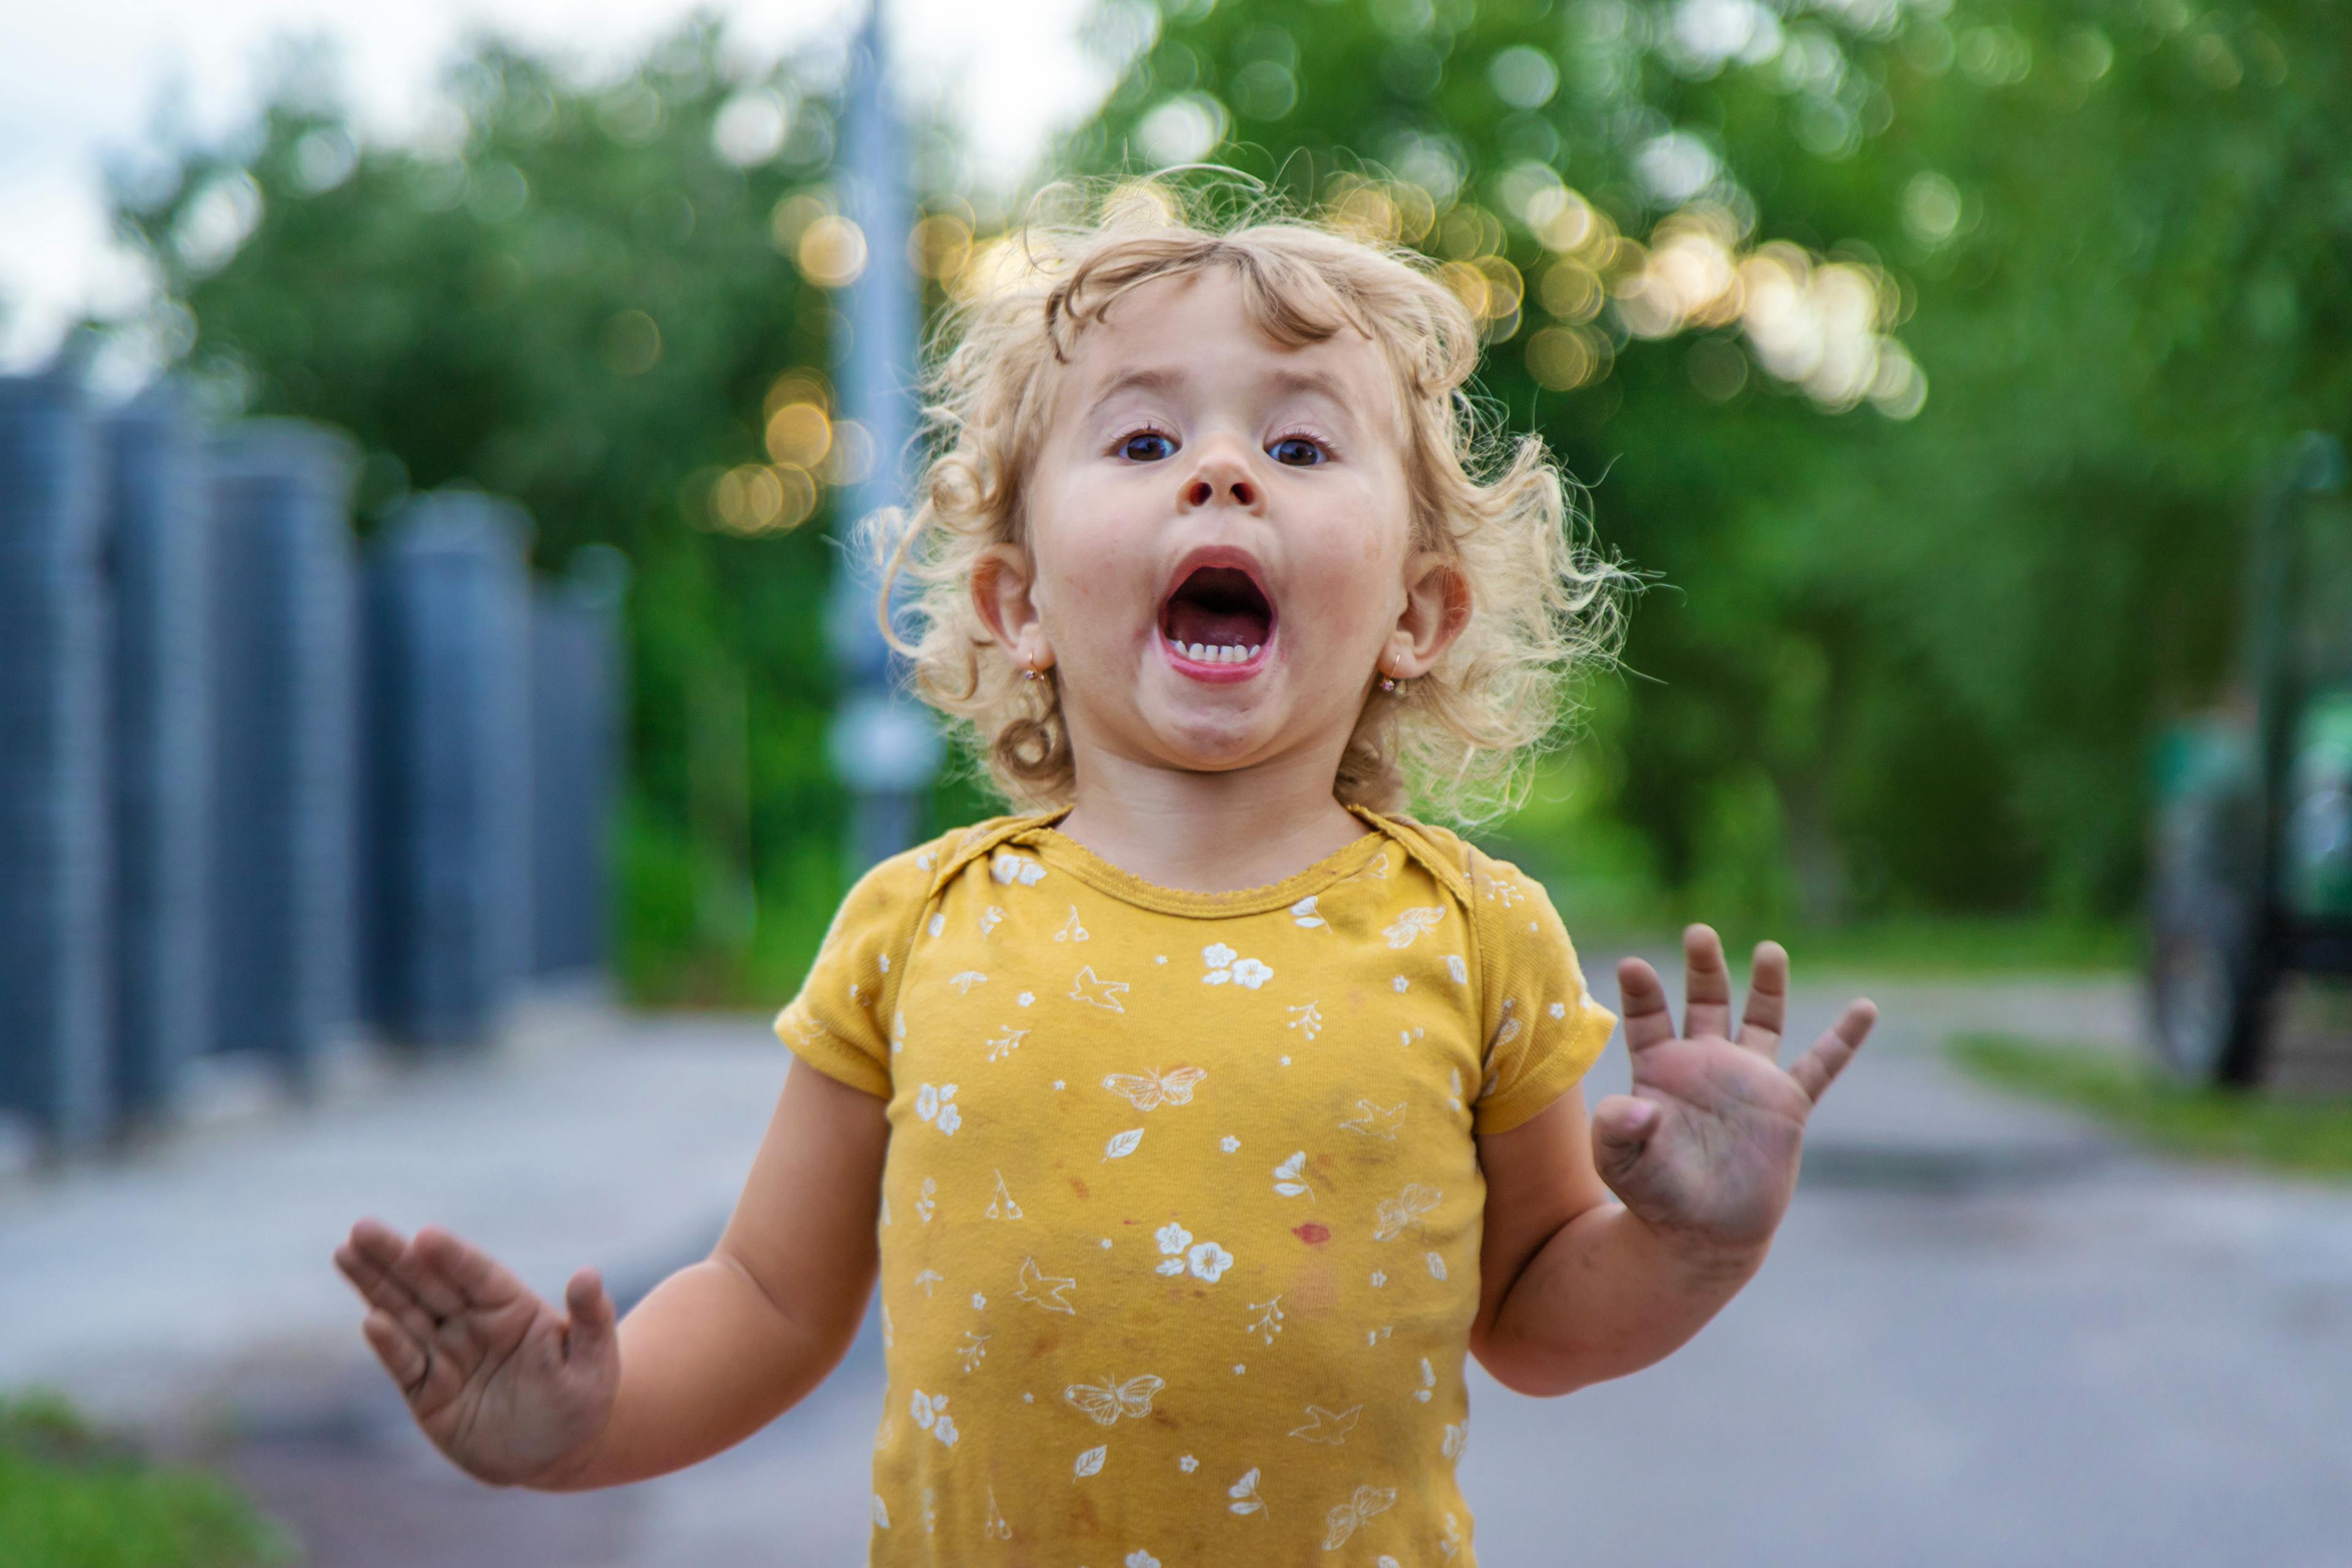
[[591, 1311], [1621, 1126]]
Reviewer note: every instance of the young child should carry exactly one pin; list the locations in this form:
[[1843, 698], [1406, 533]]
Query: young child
[[1201, 1118]]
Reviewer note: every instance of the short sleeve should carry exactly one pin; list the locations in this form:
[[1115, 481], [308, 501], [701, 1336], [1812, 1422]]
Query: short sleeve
[[843, 1023], [1543, 1028]]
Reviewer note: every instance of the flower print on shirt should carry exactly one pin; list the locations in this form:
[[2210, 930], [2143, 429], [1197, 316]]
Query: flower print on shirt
[[1412, 923], [1150, 1090], [1226, 964], [930, 1414], [1008, 868], [1290, 1178], [1304, 914], [1306, 1018], [1181, 1254], [933, 1104]]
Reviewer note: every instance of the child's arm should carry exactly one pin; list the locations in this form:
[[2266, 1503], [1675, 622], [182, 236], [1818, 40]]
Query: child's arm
[[724, 1346], [1574, 1288]]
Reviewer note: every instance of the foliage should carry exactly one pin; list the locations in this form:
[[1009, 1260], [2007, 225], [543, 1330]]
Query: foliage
[[1917, 645], [71, 1498], [572, 294], [2308, 1137]]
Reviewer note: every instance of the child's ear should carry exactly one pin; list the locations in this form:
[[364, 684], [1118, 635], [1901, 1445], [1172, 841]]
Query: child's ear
[[1002, 584], [1437, 609]]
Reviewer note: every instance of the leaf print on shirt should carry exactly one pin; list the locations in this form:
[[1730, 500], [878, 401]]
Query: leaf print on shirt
[[1139, 1558], [928, 1278], [1103, 994], [930, 1200], [996, 1528], [1269, 1321], [972, 1350], [1150, 1090], [1304, 1018], [1071, 929], [1226, 964], [1105, 1405], [1290, 1178], [933, 1105], [1453, 1543], [1305, 915], [881, 1514], [1403, 1212], [1244, 1494], [999, 1202], [1045, 1290], [1428, 1380], [1436, 1264], [1373, 1122], [990, 919], [1122, 1144], [1456, 968], [965, 980], [1089, 1463], [1457, 1434], [1005, 1042], [1343, 1520], [1327, 1426], [1008, 868], [1412, 923]]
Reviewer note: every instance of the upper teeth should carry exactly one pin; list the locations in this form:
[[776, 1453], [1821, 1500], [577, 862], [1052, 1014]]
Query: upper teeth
[[1207, 653]]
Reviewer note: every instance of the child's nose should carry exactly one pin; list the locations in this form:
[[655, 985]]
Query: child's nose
[[1220, 477], [1204, 491]]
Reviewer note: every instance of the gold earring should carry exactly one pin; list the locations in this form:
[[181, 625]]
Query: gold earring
[[1388, 681], [1029, 671]]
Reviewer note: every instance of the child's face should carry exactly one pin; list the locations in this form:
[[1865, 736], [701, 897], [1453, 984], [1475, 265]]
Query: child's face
[[1202, 484]]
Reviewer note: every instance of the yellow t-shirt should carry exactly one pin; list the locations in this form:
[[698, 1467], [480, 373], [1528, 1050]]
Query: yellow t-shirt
[[1181, 1216]]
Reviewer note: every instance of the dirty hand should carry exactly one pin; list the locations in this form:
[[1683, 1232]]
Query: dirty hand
[[1706, 1147], [504, 1383]]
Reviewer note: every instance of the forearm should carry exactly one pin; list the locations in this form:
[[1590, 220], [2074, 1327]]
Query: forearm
[[1609, 1294], [707, 1359]]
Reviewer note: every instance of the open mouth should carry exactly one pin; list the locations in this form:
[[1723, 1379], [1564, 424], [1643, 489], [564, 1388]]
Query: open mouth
[[1218, 614]]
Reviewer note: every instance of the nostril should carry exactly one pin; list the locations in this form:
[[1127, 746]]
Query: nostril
[[1199, 492], [1240, 493]]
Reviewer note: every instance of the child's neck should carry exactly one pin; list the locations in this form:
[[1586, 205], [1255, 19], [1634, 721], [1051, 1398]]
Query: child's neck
[[1208, 832]]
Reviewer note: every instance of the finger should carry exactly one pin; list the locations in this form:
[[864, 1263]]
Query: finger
[[1768, 1001], [1621, 1126], [370, 1260], [1707, 984], [593, 1319], [431, 1256], [408, 1358], [1643, 1003], [1815, 1070]]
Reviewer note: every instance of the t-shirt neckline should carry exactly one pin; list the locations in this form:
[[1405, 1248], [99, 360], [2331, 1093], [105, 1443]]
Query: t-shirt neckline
[[1063, 853]]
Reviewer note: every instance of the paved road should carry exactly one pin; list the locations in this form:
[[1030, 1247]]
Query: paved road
[[1987, 1334]]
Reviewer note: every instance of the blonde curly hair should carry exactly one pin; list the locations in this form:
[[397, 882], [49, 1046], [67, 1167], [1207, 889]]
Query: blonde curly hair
[[1543, 605]]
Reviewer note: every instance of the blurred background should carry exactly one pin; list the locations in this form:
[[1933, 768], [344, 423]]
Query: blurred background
[[428, 668]]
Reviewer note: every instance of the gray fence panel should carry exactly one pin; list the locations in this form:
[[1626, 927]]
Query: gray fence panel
[[284, 684], [449, 767], [155, 508], [578, 680], [54, 826]]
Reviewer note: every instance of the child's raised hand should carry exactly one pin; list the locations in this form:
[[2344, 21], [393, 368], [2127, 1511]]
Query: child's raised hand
[[1706, 1147], [505, 1385]]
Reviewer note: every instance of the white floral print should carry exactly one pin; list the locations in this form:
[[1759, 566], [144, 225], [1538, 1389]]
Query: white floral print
[[1457, 1433], [999, 1202], [1174, 1239], [1428, 1377], [1457, 969], [1229, 1142], [1305, 915], [972, 1350], [1139, 1558], [1245, 1494], [1208, 1261], [930, 1414], [1004, 1042], [1008, 868], [1188, 1464], [1412, 923], [997, 1527], [1304, 1018], [928, 1202], [1071, 929], [1557, 1009], [934, 1105], [1269, 1321], [1290, 1178], [1226, 964]]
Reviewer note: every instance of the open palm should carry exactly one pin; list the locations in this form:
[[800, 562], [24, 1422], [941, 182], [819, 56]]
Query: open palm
[[1708, 1142]]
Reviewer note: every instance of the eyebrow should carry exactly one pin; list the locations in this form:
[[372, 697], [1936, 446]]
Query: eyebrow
[[1160, 380]]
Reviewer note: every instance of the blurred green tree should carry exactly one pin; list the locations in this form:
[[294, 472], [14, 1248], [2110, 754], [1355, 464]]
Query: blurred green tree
[[1927, 349]]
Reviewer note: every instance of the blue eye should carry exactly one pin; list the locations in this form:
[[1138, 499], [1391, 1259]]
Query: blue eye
[[1147, 447], [1297, 451]]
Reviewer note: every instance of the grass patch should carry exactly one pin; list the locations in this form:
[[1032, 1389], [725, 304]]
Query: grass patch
[[2310, 1137], [73, 1498]]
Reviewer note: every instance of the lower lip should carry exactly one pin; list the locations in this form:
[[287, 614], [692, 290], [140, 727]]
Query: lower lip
[[1218, 674]]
